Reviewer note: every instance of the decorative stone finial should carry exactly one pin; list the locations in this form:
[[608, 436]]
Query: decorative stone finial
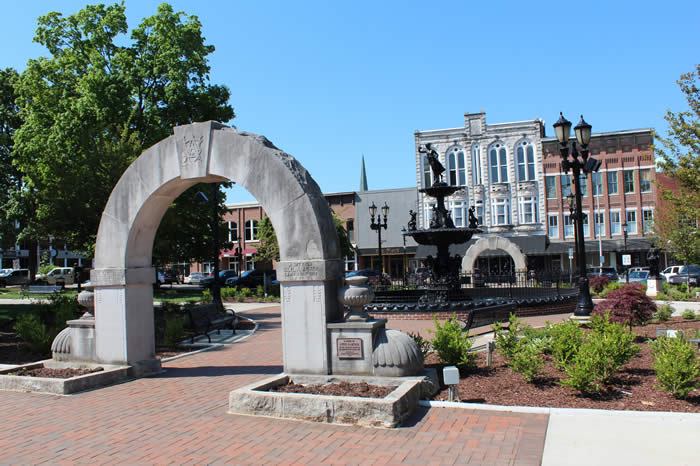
[[355, 295]]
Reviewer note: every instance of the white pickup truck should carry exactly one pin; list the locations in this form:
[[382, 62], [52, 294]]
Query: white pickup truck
[[59, 275]]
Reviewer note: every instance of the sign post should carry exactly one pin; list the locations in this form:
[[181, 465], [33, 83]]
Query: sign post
[[571, 256]]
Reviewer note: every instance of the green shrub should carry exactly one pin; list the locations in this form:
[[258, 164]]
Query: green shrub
[[566, 340], [260, 291], [688, 314], [540, 337], [34, 333], [245, 293], [423, 344], [228, 292], [582, 371], [612, 286], [206, 296], [676, 365], [174, 332], [663, 312], [452, 344], [527, 360], [507, 339]]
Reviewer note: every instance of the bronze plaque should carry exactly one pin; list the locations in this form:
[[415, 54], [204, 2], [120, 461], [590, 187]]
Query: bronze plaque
[[349, 348]]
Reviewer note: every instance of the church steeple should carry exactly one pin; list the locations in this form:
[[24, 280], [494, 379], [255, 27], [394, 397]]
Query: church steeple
[[363, 176]]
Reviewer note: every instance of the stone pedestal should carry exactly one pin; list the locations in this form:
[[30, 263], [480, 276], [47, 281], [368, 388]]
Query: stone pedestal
[[654, 287], [352, 346], [82, 339]]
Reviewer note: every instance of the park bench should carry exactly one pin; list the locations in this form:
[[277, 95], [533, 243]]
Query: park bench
[[209, 317], [40, 289]]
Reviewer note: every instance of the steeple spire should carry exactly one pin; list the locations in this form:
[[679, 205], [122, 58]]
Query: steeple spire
[[363, 176]]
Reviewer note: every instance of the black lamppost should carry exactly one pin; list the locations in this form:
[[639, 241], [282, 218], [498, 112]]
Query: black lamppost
[[585, 165], [378, 226], [202, 199], [403, 262], [624, 238]]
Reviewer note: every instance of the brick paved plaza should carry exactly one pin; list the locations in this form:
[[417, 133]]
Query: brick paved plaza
[[180, 417]]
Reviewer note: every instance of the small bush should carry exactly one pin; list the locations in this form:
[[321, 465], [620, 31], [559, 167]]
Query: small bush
[[527, 360], [260, 291], [206, 296], [582, 371], [423, 344], [34, 333], [174, 332], [627, 305], [452, 345], [610, 287], [507, 340], [597, 284], [566, 340], [688, 314], [245, 293], [663, 312], [540, 337], [676, 365]]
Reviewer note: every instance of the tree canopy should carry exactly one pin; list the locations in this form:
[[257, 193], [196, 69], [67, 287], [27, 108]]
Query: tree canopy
[[679, 158], [10, 180], [94, 105]]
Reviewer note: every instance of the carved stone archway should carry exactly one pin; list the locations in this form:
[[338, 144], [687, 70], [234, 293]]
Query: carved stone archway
[[485, 244], [310, 269]]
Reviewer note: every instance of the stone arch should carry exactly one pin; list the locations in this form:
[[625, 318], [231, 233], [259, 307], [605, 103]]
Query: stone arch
[[310, 268], [494, 242]]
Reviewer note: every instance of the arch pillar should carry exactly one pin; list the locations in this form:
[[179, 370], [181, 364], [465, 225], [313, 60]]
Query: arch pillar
[[310, 266], [491, 243]]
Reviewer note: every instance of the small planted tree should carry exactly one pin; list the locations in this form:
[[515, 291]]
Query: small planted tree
[[676, 365], [629, 305], [452, 344], [598, 284]]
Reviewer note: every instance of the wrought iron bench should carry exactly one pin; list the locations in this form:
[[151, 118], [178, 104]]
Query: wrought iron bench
[[209, 317], [40, 289]]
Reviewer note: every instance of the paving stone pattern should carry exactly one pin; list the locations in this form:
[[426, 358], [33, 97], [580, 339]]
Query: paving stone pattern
[[180, 417]]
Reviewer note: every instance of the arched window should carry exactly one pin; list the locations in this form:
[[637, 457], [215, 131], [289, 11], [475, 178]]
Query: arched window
[[498, 163], [251, 230], [427, 174], [456, 167], [525, 157], [476, 164]]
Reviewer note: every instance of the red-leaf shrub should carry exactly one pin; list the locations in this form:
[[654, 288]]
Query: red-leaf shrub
[[598, 283], [628, 305]]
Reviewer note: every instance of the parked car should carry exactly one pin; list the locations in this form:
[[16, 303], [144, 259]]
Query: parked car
[[194, 278], [686, 274], [15, 277], [253, 278], [58, 276], [638, 276], [226, 274], [170, 276], [374, 277], [668, 272], [597, 271]]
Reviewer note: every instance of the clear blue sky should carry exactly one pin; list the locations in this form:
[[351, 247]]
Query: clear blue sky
[[328, 81]]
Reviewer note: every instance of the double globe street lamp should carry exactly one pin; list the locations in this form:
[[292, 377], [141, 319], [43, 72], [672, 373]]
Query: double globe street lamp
[[378, 226], [576, 165]]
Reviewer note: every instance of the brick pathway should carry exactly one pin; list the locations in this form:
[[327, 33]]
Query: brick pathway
[[180, 417]]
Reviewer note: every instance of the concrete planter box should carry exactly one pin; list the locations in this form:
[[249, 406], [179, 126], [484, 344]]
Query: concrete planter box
[[110, 375], [257, 400]]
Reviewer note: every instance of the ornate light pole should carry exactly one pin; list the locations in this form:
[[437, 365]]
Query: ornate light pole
[[624, 237], [585, 165], [378, 226]]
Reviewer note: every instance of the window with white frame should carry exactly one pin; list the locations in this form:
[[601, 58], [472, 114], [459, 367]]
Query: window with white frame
[[459, 213], [480, 211], [615, 222], [456, 167], [599, 224], [553, 221], [232, 231], [586, 229], [476, 164], [528, 209], [645, 180], [631, 219], [647, 219], [251, 230], [501, 211], [597, 182], [628, 180], [525, 158], [568, 226], [582, 182], [250, 262], [427, 174], [612, 182], [550, 185], [565, 185], [498, 163]]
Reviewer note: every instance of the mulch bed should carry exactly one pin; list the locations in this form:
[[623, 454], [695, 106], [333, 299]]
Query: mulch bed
[[634, 387], [47, 372], [363, 390]]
